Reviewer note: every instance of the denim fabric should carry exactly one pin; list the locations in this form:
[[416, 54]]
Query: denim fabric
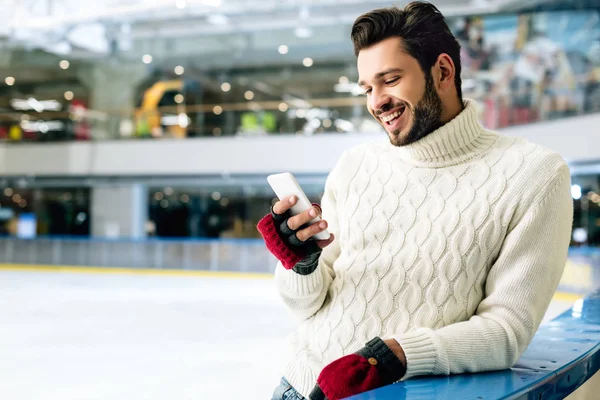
[[285, 391]]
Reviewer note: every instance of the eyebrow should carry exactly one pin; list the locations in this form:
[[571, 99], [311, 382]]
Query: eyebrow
[[381, 74]]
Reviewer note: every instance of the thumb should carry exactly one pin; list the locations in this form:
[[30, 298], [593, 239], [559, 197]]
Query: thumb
[[324, 243]]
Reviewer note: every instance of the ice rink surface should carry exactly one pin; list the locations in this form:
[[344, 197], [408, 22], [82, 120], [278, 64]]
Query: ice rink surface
[[84, 336]]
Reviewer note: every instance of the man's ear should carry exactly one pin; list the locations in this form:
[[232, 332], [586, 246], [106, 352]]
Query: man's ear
[[445, 71]]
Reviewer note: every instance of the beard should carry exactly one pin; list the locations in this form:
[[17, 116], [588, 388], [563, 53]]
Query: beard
[[426, 116]]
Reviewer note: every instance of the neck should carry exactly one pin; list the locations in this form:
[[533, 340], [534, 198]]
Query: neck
[[451, 109]]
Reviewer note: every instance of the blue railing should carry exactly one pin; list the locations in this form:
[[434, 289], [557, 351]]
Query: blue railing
[[564, 354]]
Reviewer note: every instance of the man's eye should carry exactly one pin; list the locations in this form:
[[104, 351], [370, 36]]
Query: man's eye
[[391, 81], [368, 91]]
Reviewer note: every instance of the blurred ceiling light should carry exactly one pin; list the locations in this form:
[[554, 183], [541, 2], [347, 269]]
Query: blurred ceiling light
[[343, 80], [224, 202], [327, 123], [469, 84], [254, 106], [314, 123], [217, 131], [16, 198], [283, 49], [304, 13], [216, 196], [179, 98], [217, 110], [183, 120], [303, 32], [348, 88], [164, 203], [8, 192], [576, 192], [64, 64], [42, 126], [184, 198], [69, 95], [308, 62], [249, 95], [34, 104], [300, 113], [9, 80], [297, 102], [169, 191], [283, 107], [158, 196], [225, 86], [81, 217], [344, 125], [180, 4], [217, 19], [357, 90], [23, 203], [169, 120], [179, 70], [147, 58]]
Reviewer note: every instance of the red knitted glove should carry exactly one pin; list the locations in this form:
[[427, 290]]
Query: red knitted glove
[[373, 366], [282, 242]]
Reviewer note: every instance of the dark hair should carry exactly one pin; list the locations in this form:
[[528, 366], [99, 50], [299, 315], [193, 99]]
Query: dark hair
[[422, 28]]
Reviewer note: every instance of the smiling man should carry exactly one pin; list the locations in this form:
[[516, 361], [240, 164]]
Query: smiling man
[[448, 240]]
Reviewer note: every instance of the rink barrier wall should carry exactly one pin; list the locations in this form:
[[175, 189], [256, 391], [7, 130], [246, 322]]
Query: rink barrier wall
[[225, 256], [562, 360]]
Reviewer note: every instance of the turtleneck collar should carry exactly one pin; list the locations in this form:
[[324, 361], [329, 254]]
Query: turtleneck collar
[[456, 141]]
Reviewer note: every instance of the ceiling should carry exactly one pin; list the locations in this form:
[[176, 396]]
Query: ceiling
[[219, 32]]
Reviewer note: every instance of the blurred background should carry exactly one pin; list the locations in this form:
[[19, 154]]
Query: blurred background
[[139, 134], [96, 86], [176, 109]]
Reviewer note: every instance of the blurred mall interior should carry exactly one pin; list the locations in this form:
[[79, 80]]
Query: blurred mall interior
[[192, 73], [139, 133]]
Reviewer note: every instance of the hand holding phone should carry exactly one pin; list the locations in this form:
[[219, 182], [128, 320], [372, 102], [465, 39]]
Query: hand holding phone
[[285, 185]]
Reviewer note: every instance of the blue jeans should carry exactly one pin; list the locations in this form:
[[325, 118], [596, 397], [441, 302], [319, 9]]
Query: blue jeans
[[285, 391]]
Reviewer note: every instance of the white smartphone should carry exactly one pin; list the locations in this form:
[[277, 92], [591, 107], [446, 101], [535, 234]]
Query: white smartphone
[[285, 185]]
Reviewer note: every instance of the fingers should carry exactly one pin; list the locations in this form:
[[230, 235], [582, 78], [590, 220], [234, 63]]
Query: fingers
[[304, 234], [283, 205], [296, 222]]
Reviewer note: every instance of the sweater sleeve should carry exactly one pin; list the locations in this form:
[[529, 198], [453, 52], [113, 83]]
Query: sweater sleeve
[[304, 294], [518, 290]]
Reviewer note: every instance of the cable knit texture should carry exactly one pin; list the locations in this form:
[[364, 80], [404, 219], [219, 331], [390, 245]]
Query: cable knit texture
[[453, 245]]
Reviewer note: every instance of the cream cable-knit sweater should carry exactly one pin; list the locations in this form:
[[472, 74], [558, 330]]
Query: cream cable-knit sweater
[[453, 245]]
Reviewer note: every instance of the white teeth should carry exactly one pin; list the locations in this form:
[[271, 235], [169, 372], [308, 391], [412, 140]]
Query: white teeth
[[390, 117]]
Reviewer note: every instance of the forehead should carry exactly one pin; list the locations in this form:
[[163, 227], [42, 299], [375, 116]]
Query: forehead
[[385, 55]]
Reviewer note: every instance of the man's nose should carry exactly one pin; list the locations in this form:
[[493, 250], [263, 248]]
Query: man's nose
[[379, 102]]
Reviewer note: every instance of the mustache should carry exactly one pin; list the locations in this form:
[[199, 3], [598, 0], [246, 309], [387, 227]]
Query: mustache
[[390, 106]]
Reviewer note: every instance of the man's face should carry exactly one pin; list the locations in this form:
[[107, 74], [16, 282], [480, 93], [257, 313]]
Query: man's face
[[399, 95]]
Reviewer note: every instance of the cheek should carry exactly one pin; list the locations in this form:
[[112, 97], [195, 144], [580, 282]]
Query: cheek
[[370, 109], [409, 91]]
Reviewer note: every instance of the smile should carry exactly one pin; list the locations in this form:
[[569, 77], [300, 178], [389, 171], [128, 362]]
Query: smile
[[391, 118]]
